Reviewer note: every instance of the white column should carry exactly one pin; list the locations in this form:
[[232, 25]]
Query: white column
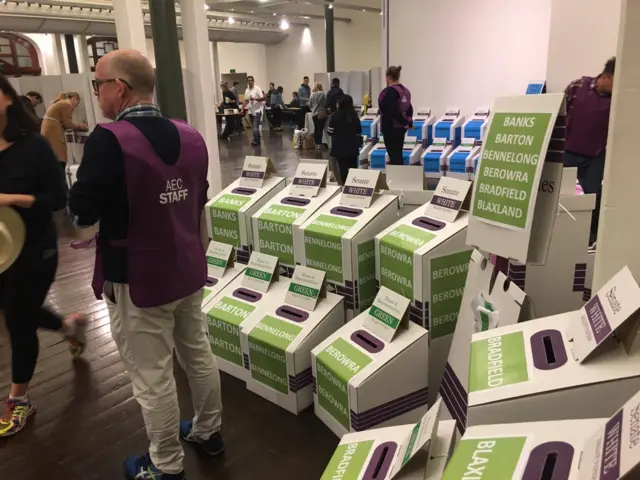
[[574, 53], [58, 51], [130, 25], [213, 46], [82, 51], [199, 67], [619, 220]]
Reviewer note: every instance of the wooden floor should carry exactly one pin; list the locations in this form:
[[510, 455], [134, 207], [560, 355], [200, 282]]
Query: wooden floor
[[88, 422]]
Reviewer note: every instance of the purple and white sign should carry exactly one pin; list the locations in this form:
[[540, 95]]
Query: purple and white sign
[[307, 182], [445, 202], [610, 462], [358, 191], [598, 321], [251, 174]]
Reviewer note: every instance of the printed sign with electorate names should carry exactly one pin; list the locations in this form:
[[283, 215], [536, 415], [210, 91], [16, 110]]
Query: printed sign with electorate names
[[448, 199], [260, 272], [308, 180], [388, 312], [306, 288], [360, 186], [255, 170], [219, 258], [613, 310], [512, 159]]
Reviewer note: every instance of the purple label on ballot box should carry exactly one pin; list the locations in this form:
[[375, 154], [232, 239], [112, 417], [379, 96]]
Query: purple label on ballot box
[[445, 202], [610, 464], [360, 191], [251, 174], [307, 182], [597, 319]]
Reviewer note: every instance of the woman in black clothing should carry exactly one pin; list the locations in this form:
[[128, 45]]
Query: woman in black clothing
[[397, 112], [346, 138], [30, 182]]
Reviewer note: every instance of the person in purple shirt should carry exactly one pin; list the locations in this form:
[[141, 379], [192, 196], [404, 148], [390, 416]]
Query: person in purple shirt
[[588, 108]]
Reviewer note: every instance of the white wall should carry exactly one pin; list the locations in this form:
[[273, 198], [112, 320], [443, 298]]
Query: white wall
[[249, 58], [46, 52], [584, 34], [469, 53], [357, 46]]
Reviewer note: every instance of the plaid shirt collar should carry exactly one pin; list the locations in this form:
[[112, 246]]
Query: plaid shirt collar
[[142, 110]]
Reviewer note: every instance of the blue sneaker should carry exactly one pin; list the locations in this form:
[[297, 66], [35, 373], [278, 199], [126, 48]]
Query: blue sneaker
[[142, 468], [213, 446]]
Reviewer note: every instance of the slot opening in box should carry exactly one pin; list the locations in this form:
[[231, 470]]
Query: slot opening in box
[[247, 295], [549, 466], [291, 313], [381, 459], [243, 191], [346, 211], [297, 201], [367, 341], [548, 350], [429, 223], [211, 282]]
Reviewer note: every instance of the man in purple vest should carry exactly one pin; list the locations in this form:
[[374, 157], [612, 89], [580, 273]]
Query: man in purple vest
[[143, 177], [588, 108]]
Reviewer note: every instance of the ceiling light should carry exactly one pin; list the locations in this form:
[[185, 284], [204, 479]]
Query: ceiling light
[[206, 7], [330, 7], [231, 20], [274, 14], [284, 25], [381, 12]]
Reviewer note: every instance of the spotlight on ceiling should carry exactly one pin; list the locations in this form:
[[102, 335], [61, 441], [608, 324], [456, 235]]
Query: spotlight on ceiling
[[284, 24], [231, 20], [206, 7], [330, 7]]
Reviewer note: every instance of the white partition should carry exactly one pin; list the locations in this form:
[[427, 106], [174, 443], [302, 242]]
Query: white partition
[[51, 87], [323, 79], [375, 84], [15, 83], [358, 86]]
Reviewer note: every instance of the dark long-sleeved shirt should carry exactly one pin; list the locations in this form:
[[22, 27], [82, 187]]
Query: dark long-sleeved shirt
[[390, 109], [345, 133], [587, 118], [100, 192], [333, 95], [29, 167]]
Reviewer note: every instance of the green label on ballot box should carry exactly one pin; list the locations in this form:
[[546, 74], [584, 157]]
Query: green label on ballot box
[[225, 219], [225, 320]]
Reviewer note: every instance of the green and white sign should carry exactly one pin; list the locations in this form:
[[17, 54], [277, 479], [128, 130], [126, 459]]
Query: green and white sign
[[388, 312], [218, 258], [225, 218], [306, 287], [497, 362], [275, 232], [323, 244], [225, 320], [367, 273], [335, 366], [397, 257], [448, 278], [485, 458], [510, 168], [260, 272], [268, 342], [348, 461]]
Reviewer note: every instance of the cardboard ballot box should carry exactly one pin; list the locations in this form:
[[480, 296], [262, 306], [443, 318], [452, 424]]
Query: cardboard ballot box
[[604, 448], [229, 213], [234, 304], [220, 272], [581, 364], [360, 372], [489, 300], [277, 223], [339, 238], [383, 453], [279, 339], [423, 257]]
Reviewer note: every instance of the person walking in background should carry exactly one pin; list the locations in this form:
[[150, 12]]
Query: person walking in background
[[254, 102], [318, 105], [397, 114], [32, 184], [272, 88], [588, 109], [229, 101], [304, 94], [59, 117], [277, 103], [143, 177], [346, 140], [238, 118], [334, 93]]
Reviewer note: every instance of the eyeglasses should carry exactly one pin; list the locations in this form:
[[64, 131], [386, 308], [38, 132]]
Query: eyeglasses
[[101, 81]]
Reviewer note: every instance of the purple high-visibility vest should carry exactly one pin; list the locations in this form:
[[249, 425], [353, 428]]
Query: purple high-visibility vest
[[404, 102], [165, 256]]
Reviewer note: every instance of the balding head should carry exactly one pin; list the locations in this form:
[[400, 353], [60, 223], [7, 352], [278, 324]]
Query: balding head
[[133, 67]]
